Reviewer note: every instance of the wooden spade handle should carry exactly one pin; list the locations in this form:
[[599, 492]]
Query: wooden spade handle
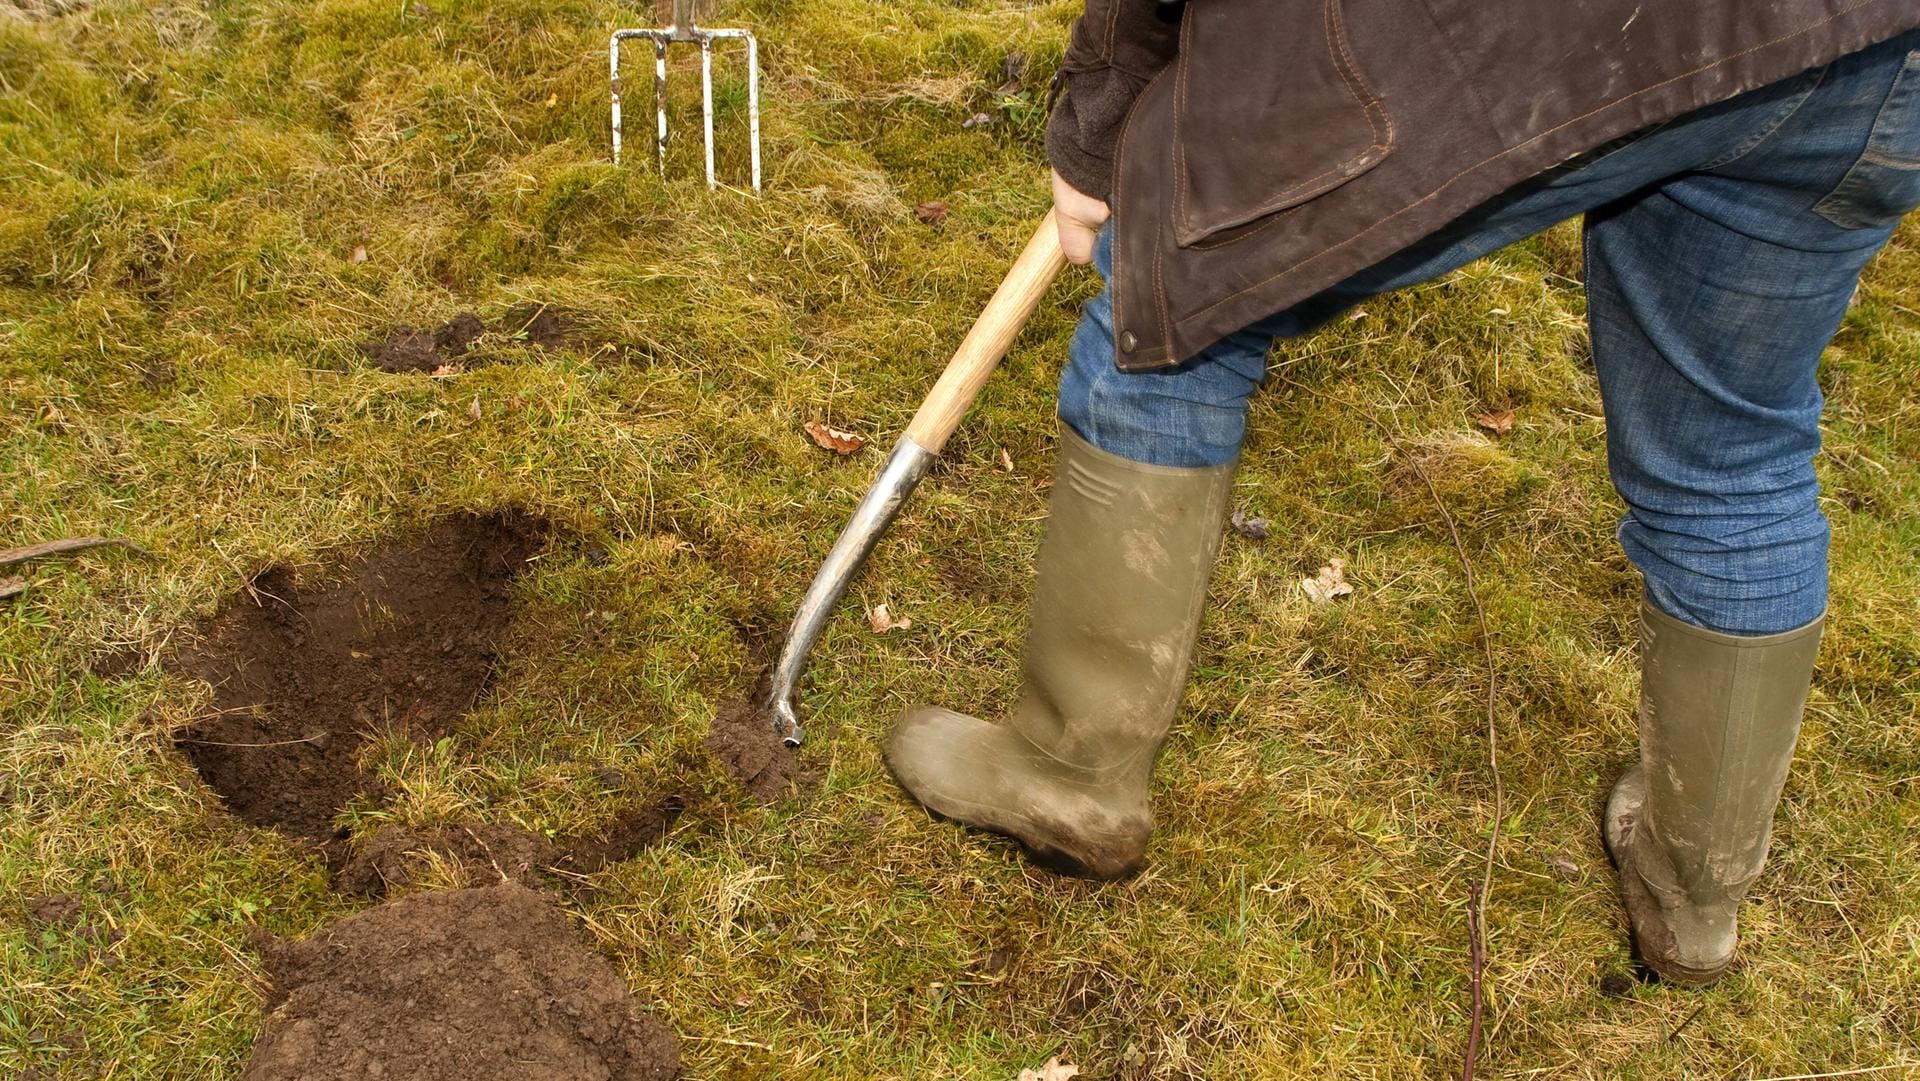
[[984, 346]]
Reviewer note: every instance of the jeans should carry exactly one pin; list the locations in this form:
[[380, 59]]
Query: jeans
[[1722, 249]]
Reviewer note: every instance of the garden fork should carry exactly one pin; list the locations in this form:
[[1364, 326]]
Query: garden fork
[[683, 30]]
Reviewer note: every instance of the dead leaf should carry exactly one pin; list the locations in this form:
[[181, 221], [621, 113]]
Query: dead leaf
[[474, 409], [422, 10], [932, 212], [359, 254], [552, 100], [1498, 421], [1564, 866], [882, 620], [1331, 582], [977, 120], [1013, 66], [1251, 528], [1356, 315], [1054, 1070], [12, 587], [1006, 461], [834, 439]]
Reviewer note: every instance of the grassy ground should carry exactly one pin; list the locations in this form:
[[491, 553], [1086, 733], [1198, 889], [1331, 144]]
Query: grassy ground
[[182, 187]]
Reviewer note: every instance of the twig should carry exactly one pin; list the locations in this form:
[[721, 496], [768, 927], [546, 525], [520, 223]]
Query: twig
[[1476, 930], [1844, 1073], [1675, 1034], [12, 556], [217, 743]]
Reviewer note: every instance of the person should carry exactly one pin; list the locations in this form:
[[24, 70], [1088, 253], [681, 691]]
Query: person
[[1270, 164]]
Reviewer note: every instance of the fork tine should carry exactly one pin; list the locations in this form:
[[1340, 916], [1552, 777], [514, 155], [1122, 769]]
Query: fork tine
[[706, 101], [660, 101]]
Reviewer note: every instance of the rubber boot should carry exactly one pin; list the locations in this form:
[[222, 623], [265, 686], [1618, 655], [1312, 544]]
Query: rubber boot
[[1116, 608], [1688, 827]]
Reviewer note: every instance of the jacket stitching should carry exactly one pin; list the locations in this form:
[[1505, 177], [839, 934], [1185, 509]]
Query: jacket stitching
[[1350, 76], [1450, 181]]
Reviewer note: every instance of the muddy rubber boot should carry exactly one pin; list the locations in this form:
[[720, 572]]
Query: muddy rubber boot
[[1116, 608], [1688, 827]]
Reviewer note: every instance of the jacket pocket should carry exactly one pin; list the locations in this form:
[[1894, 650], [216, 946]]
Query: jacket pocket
[[1270, 110], [1885, 182]]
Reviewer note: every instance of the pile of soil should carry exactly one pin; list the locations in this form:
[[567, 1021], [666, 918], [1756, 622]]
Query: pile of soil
[[410, 349], [474, 983], [743, 740], [405, 639], [396, 857], [418, 349]]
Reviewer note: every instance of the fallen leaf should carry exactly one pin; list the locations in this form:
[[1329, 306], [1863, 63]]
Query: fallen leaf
[[1356, 315], [1564, 866], [977, 120], [882, 620], [446, 371], [1498, 421], [932, 212], [1054, 1070], [474, 409], [12, 587], [359, 254], [552, 100], [1013, 66], [422, 10], [834, 439], [1331, 582], [1251, 528], [1006, 461]]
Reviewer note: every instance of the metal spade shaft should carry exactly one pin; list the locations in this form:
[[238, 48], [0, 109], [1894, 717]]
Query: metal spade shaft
[[979, 354]]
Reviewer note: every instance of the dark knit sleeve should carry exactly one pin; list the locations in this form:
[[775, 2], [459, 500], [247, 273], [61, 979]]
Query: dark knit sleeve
[[1116, 48]]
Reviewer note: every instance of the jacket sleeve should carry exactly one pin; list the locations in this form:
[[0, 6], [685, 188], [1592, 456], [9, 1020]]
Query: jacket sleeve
[[1115, 49]]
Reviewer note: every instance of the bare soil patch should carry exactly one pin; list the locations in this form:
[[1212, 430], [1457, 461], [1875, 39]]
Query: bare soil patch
[[411, 349], [423, 349], [747, 747], [472, 983], [396, 857], [304, 673]]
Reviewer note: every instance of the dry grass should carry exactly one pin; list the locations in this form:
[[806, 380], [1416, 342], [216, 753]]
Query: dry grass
[[181, 187]]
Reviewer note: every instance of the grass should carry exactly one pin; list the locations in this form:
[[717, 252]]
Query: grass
[[181, 186]]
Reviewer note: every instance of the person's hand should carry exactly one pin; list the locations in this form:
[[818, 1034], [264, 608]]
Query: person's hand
[[1079, 217]]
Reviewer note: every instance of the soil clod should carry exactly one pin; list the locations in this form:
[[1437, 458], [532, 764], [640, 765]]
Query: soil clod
[[472, 983], [538, 324], [304, 673], [744, 741], [419, 349], [407, 349]]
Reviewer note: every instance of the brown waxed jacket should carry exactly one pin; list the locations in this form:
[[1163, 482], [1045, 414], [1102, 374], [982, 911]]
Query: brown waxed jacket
[[1262, 150]]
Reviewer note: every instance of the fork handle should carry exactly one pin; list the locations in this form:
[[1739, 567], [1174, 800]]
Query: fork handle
[[984, 346]]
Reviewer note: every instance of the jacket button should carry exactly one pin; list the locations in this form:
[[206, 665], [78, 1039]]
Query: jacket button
[[1128, 341]]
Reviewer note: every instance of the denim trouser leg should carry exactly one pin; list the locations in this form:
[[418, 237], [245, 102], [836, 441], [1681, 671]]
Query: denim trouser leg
[[1722, 248]]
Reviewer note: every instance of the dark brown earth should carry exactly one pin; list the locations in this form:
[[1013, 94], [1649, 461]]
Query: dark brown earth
[[396, 857], [744, 742], [418, 349], [410, 349], [305, 672], [54, 909], [464, 984], [538, 324]]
